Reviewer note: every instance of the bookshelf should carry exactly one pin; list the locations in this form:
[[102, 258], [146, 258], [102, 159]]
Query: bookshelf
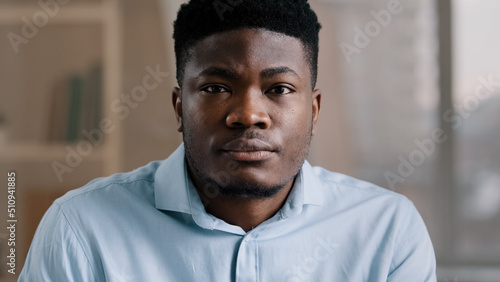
[[78, 36], [69, 26]]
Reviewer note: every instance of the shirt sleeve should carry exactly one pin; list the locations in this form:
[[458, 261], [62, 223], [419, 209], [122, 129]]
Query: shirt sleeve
[[56, 253], [414, 258]]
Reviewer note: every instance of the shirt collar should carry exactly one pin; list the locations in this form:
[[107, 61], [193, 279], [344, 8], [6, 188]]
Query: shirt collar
[[307, 190], [171, 187], [174, 190]]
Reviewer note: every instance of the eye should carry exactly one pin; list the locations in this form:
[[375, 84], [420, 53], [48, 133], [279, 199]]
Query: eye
[[282, 90], [214, 89]]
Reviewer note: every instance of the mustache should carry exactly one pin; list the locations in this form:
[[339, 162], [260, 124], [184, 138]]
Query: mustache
[[251, 136]]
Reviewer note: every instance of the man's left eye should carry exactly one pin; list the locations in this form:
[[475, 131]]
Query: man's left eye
[[281, 90], [214, 89]]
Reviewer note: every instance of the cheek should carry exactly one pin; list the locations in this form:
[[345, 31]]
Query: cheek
[[296, 133], [204, 109], [201, 123], [195, 116], [296, 121]]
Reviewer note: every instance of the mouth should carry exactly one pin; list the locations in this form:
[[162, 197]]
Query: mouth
[[248, 150], [249, 156]]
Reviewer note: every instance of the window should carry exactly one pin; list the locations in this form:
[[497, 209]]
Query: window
[[400, 110]]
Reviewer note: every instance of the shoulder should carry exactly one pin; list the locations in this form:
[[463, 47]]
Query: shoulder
[[366, 202], [136, 182], [387, 213], [348, 186]]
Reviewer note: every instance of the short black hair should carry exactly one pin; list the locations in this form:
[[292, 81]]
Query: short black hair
[[200, 19]]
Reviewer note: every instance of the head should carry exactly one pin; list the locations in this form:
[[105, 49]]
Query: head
[[246, 102]]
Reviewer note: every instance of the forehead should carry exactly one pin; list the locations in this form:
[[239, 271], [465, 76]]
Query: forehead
[[246, 49]]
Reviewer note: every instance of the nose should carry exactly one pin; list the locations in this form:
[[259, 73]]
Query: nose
[[247, 110]]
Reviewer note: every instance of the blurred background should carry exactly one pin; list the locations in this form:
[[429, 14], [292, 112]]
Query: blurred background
[[411, 92]]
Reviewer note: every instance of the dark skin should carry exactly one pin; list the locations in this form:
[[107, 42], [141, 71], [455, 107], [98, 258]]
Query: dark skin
[[247, 111]]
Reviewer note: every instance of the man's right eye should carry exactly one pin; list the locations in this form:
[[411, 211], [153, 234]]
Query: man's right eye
[[214, 89]]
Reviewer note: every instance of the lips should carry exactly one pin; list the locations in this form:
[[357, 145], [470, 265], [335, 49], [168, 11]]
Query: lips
[[243, 149]]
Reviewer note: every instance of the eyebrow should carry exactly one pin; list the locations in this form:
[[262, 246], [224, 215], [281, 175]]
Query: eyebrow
[[230, 74], [215, 71], [270, 72]]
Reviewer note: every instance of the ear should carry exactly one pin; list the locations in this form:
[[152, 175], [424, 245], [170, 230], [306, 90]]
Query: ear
[[177, 103], [316, 105]]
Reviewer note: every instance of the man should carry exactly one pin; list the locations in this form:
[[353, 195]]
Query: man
[[237, 201]]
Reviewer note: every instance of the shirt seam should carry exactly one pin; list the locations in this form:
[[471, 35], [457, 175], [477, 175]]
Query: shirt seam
[[63, 200], [398, 239], [78, 240], [257, 276], [379, 190]]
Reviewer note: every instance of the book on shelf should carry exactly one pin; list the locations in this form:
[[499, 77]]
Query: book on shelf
[[92, 104], [76, 106], [57, 113]]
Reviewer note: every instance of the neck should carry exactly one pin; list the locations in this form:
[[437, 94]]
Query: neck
[[247, 213]]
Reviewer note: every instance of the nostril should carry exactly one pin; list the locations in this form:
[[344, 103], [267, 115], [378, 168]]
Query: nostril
[[261, 125], [237, 124]]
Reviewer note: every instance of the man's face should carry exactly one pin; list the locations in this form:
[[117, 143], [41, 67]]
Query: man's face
[[247, 111]]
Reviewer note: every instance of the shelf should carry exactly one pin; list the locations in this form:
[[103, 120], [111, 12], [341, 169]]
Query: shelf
[[35, 152], [51, 48], [12, 14], [71, 40]]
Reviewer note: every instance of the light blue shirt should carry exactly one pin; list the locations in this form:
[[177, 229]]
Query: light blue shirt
[[150, 225]]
